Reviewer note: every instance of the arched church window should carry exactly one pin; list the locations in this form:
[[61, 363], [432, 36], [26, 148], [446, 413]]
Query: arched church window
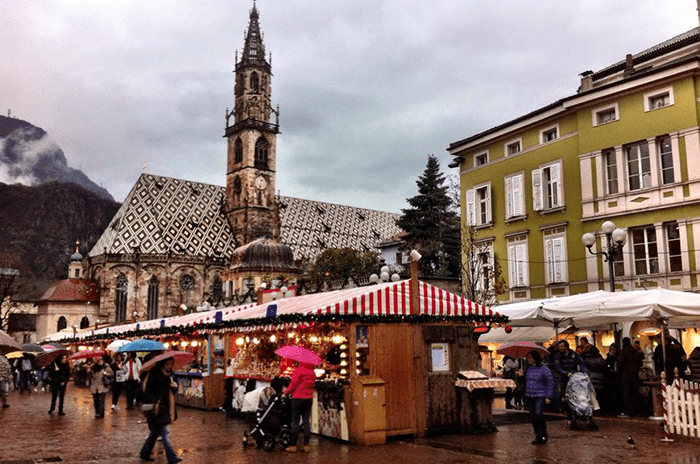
[[152, 303], [254, 83], [120, 298], [62, 324], [239, 151], [261, 149], [218, 290], [84, 322]]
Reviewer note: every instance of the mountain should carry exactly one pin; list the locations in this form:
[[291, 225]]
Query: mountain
[[39, 226], [28, 155]]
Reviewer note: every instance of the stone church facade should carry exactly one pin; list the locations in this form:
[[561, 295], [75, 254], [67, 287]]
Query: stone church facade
[[169, 248]]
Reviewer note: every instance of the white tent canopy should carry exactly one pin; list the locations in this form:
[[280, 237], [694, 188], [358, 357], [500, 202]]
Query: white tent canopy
[[527, 334]]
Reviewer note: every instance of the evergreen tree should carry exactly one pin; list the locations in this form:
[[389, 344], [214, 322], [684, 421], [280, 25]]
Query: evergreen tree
[[431, 225]]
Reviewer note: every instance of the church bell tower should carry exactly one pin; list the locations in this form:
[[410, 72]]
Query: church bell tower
[[252, 143]]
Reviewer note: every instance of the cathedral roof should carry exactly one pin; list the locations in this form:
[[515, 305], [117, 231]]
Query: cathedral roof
[[163, 214], [72, 290]]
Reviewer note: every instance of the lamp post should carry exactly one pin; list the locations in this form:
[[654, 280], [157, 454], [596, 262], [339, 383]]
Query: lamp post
[[616, 240]]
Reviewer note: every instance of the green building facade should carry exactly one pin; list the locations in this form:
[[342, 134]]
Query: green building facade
[[624, 148]]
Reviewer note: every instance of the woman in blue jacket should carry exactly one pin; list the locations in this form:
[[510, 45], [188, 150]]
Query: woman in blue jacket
[[539, 388]]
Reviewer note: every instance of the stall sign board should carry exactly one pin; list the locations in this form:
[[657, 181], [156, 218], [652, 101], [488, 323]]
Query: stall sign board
[[440, 357]]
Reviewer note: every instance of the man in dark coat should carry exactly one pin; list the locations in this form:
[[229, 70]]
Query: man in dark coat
[[629, 361], [159, 390], [59, 373]]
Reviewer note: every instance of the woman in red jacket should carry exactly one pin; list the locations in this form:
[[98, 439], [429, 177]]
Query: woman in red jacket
[[301, 389]]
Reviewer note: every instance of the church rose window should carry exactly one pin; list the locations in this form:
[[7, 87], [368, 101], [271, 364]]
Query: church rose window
[[186, 282]]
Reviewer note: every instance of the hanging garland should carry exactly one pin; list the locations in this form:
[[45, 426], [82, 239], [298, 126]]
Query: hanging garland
[[212, 327]]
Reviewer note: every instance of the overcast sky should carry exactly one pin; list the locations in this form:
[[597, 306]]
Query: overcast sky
[[366, 89]]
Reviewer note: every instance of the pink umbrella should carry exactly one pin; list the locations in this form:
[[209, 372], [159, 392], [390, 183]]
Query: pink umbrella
[[520, 349], [180, 359], [88, 354], [300, 354]]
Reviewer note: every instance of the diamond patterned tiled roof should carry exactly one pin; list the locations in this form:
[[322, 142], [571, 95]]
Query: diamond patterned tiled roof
[[163, 214]]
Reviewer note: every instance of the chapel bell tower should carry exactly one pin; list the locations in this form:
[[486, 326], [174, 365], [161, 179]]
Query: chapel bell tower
[[252, 142]]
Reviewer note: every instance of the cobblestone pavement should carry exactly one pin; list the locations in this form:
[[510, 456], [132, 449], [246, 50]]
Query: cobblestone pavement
[[30, 435]]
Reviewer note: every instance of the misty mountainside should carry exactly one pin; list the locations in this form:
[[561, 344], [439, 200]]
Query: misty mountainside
[[28, 155], [40, 224]]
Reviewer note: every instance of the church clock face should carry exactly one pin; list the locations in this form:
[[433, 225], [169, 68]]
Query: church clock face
[[260, 183]]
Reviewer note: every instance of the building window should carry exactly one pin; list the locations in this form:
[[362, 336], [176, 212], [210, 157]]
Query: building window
[[638, 166], [479, 205], [666, 155], [186, 282], [152, 303], [399, 258], [515, 196], [610, 157], [546, 187], [605, 114], [120, 298], [239, 150], [61, 324], [218, 290], [481, 159], [555, 259], [513, 147], [517, 264], [481, 270], [673, 242], [660, 98], [549, 134], [84, 322], [254, 79], [646, 255], [261, 149]]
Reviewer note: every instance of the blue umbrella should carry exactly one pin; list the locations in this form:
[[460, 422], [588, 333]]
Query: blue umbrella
[[143, 344]]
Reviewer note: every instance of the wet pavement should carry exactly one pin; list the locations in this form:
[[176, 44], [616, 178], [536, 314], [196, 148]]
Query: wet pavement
[[29, 435]]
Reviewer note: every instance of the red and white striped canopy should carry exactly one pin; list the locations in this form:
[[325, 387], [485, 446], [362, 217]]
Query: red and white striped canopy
[[392, 298]]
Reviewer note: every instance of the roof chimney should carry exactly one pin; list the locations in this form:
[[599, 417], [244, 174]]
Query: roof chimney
[[629, 65], [587, 80]]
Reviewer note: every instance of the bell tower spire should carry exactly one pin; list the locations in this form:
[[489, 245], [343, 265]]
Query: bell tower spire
[[252, 142]]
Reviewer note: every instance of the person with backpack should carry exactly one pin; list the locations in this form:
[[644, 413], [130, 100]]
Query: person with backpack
[[25, 373]]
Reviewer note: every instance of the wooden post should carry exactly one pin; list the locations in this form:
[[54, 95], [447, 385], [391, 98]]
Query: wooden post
[[415, 308]]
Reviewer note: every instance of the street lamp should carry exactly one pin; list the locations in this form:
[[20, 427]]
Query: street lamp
[[616, 240], [384, 276]]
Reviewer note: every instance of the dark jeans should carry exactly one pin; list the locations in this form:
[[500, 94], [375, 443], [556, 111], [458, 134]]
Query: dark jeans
[[130, 387], [536, 406], [24, 381], [228, 398], [301, 409], [98, 399], [57, 391], [116, 391], [630, 391], [162, 431]]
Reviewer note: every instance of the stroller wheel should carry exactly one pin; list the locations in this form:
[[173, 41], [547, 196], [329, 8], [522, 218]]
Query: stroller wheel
[[285, 438], [268, 443]]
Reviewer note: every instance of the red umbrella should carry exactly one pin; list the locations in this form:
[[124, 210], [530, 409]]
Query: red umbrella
[[300, 354], [88, 354], [180, 359], [520, 349], [8, 344]]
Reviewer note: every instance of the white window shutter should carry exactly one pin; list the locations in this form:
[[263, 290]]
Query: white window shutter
[[521, 256], [549, 258], [518, 197], [471, 207], [488, 203], [559, 270], [491, 269], [537, 193], [554, 172], [512, 265], [509, 197]]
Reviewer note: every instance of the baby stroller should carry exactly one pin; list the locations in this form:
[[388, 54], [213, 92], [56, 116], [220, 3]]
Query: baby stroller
[[579, 397], [270, 425]]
